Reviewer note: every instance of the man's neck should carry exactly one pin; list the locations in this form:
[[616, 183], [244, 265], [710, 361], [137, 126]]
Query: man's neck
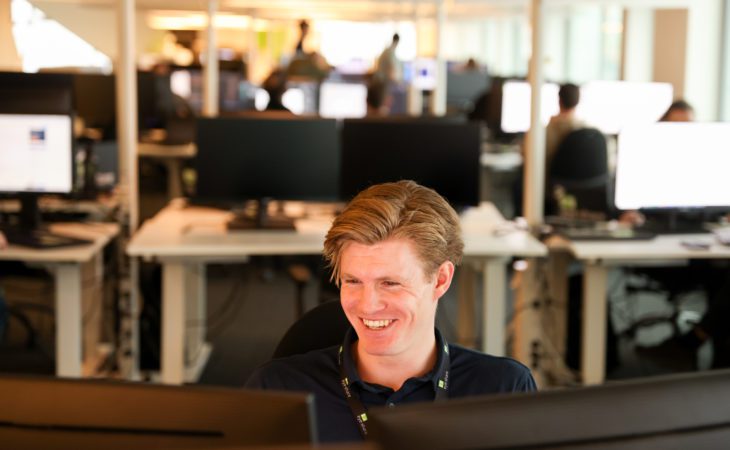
[[393, 371]]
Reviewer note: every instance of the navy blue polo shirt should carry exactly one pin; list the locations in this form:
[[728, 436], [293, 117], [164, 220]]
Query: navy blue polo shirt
[[471, 373]]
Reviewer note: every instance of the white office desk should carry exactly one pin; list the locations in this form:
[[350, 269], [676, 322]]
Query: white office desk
[[66, 265], [597, 257], [183, 240]]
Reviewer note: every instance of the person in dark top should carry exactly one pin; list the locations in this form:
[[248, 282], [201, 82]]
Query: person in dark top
[[393, 252]]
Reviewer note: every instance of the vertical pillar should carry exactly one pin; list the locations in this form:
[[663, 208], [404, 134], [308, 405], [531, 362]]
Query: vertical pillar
[[210, 69], [9, 59], [438, 96], [638, 44], [535, 139], [126, 85]]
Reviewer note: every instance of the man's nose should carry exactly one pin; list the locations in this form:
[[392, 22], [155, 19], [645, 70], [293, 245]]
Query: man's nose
[[370, 300]]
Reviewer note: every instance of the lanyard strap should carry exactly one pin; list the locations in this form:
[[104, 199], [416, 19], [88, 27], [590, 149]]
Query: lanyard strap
[[359, 412]]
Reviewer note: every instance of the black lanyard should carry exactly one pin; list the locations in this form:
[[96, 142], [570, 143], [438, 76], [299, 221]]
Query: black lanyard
[[359, 412]]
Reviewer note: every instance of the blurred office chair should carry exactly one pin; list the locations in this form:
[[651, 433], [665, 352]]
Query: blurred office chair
[[321, 327], [580, 167]]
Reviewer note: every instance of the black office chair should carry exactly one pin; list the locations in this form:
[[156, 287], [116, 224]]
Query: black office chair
[[321, 327], [580, 167]]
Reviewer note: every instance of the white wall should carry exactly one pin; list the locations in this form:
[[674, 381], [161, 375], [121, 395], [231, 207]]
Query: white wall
[[97, 25], [670, 51], [702, 68], [9, 59]]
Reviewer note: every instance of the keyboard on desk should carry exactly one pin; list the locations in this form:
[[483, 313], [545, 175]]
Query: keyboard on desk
[[601, 234], [40, 239]]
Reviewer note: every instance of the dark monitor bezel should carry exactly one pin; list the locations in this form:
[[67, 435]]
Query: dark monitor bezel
[[383, 130], [232, 127], [626, 414], [43, 412]]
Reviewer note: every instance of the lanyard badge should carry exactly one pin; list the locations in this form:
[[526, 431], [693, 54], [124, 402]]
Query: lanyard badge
[[359, 412]]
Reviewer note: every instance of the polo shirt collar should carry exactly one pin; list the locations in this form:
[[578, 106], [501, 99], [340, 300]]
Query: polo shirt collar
[[438, 373]]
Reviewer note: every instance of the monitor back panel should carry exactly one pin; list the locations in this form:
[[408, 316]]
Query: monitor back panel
[[648, 413], [442, 155], [55, 413], [251, 158]]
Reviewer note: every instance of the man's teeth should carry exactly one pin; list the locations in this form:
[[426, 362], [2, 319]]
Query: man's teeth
[[376, 324]]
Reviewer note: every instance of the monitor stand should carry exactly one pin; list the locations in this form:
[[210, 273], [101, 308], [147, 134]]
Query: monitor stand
[[29, 232], [261, 220]]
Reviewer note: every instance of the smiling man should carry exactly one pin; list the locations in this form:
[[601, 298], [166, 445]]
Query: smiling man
[[393, 252]]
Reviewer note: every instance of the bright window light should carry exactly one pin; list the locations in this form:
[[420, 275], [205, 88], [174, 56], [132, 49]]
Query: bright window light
[[45, 43], [343, 42]]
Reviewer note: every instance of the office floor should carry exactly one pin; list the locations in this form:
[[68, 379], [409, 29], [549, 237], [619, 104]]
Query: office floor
[[251, 305]]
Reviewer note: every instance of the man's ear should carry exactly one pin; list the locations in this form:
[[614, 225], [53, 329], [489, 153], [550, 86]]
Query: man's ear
[[444, 276]]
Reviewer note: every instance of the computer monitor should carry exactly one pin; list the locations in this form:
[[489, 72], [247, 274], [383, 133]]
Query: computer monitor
[[250, 158], [36, 157], [672, 165], [686, 186], [517, 104], [53, 413], [36, 93], [671, 412], [441, 154], [423, 74], [343, 100], [95, 102], [610, 106], [463, 88]]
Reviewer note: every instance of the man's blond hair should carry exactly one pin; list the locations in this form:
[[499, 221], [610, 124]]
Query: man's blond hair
[[403, 209]]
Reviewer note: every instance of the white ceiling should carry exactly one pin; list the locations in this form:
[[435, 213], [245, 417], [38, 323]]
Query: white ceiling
[[370, 9]]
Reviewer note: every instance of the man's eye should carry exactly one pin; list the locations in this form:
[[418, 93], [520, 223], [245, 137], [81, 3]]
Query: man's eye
[[350, 281], [391, 283]]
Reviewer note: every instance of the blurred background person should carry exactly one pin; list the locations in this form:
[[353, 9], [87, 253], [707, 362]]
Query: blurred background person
[[388, 67], [564, 122], [379, 98], [679, 111]]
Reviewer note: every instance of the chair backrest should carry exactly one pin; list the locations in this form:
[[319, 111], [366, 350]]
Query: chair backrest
[[580, 166], [321, 327]]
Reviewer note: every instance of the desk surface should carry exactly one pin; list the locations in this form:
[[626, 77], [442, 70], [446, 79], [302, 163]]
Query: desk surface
[[166, 151], [101, 233], [178, 232], [661, 247]]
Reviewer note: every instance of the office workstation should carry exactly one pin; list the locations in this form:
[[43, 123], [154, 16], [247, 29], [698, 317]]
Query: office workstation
[[233, 207]]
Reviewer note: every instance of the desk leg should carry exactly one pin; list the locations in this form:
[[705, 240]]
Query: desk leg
[[466, 306], [593, 352], [494, 274], [196, 311], [174, 177], [68, 320], [173, 323]]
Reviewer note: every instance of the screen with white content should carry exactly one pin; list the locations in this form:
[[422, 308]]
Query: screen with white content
[[424, 74], [673, 165], [516, 105], [343, 100], [36, 153], [293, 99], [612, 105]]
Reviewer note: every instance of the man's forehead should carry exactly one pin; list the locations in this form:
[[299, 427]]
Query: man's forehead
[[396, 255]]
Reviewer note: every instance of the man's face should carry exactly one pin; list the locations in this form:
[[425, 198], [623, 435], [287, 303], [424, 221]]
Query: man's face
[[387, 297]]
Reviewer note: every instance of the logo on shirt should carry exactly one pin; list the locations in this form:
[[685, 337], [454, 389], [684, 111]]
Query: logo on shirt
[[444, 383], [346, 386]]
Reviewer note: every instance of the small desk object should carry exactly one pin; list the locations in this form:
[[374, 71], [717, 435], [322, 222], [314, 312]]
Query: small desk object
[[66, 264], [184, 239]]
